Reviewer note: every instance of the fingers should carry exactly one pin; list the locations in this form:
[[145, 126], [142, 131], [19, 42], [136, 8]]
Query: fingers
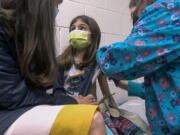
[[90, 97], [90, 100], [86, 100], [94, 103]]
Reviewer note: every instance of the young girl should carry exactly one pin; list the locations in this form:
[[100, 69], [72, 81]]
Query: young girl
[[28, 68], [151, 50], [79, 58], [79, 65]]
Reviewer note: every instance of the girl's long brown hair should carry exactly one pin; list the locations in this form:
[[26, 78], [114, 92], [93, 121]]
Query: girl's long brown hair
[[30, 23], [89, 59]]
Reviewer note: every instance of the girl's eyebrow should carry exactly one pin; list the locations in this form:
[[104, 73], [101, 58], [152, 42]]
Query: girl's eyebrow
[[83, 24], [80, 25]]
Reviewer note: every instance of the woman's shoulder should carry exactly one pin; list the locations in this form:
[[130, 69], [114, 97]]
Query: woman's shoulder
[[3, 36], [7, 44], [2, 33]]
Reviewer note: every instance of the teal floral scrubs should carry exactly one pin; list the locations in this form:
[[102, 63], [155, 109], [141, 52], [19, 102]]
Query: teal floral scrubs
[[151, 50]]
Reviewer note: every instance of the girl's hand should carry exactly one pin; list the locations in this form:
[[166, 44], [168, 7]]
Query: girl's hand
[[90, 99]]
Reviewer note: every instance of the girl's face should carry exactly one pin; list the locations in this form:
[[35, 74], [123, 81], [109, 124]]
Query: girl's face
[[80, 25]]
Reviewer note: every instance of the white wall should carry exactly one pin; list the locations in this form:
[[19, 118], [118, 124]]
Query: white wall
[[113, 17]]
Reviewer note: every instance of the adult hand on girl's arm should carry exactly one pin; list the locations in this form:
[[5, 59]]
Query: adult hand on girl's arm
[[133, 88], [123, 84]]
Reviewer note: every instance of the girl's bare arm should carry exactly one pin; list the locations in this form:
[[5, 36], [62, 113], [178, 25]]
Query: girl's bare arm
[[103, 83]]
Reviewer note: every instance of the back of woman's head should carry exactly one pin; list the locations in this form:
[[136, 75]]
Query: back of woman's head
[[133, 3], [89, 58], [139, 6], [31, 24]]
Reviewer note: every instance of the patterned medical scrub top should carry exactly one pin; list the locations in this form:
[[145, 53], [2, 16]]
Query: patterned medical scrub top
[[151, 50]]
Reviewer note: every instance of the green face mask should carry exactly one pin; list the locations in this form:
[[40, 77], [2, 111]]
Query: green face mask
[[79, 39]]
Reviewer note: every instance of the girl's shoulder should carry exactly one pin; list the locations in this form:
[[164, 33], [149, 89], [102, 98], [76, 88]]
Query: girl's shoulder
[[73, 71]]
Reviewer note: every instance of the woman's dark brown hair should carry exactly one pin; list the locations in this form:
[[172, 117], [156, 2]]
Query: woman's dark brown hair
[[139, 6], [89, 59], [133, 3], [30, 23]]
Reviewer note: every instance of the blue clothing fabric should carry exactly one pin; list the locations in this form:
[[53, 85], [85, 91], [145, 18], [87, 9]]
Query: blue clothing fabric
[[136, 89], [16, 96], [152, 50], [108, 131]]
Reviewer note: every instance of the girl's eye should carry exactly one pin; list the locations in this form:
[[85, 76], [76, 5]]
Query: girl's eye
[[72, 28], [82, 28]]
